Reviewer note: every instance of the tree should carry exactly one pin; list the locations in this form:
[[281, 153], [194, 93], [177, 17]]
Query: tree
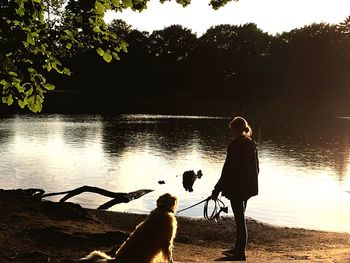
[[172, 48], [37, 34], [120, 28], [308, 61], [234, 56], [344, 29]]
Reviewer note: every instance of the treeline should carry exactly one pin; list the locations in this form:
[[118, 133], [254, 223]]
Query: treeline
[[228, 60]]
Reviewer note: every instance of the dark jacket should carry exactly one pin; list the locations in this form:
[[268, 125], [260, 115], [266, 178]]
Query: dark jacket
[[239, 177]]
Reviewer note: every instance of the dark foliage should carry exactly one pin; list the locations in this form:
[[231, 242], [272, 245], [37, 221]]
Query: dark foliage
[[237, 62]]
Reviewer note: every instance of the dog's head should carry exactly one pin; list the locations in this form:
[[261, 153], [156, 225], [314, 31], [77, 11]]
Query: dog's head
[[168, 202]]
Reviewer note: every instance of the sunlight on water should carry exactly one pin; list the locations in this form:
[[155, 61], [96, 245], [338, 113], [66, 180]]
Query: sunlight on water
[[311, 199], [143, 117], [304, 179]]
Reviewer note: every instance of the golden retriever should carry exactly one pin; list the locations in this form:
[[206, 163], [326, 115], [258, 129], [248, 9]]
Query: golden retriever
[[151, 241]]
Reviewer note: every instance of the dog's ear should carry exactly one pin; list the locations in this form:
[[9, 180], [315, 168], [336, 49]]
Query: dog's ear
[[175, 202]]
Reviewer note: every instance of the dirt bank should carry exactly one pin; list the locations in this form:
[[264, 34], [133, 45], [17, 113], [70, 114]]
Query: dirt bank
[[35, 231]]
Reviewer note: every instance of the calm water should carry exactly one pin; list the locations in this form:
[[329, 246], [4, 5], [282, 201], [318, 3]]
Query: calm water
[[305, 164]]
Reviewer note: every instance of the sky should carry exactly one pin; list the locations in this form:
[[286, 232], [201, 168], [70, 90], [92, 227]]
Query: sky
[[272, 16]]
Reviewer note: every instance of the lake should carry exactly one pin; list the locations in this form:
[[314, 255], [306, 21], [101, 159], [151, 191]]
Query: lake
[[304, 163]]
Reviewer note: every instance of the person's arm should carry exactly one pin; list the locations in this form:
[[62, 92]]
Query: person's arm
[[257, 160], [226, 171]]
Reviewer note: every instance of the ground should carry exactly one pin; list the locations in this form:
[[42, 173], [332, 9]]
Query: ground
[[35, 231]]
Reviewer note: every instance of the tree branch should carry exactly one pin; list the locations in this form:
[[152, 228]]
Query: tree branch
[[118, 197]]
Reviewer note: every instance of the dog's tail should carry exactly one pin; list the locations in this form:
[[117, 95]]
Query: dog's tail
[[96, 256]]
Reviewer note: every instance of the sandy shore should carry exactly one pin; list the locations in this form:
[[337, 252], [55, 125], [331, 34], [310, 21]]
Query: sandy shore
[[36, 231]]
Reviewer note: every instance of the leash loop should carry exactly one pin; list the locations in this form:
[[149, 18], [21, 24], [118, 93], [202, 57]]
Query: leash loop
[[219, 207]]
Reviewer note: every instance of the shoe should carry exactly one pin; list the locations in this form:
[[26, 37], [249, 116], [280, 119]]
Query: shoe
[[229, 252], [237, 257]]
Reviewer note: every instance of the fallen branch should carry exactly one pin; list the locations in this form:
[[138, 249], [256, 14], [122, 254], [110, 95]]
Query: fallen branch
[[118, 197], [129, 197]]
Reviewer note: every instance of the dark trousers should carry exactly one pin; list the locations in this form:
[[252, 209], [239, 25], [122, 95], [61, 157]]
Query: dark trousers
[[238, 208]]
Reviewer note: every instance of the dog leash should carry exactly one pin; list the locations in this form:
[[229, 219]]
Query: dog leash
[[219, 207], [179, 211]]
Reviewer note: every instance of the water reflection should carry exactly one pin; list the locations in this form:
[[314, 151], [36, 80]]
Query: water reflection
[[305, 164], [166, 136], [310, 143]]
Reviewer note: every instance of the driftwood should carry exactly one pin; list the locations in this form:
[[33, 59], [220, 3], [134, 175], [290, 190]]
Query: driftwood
[[117, 197]]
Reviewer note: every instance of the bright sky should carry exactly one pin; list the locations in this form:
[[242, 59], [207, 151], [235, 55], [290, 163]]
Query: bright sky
[[273, 16]]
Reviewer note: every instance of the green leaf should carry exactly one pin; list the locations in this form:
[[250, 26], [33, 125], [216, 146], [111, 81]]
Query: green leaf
[[100, 9], [107, 57], [96, 29], [3, 82], [115, 55], [49, 86], [35, 14], [34, 103], [30, 39], [25, 28], [30, 91], [19, 87], [21, 10], [107, 5], [10, 100], [25, 44], [44, 46], [115, 3], [41, 17], [48, 67], [68, 46], [54, 66], [39, 106], [38, 78], [69, 33], [7, 100], [66, 71], [33, 107], [28, 100], [124, 46], [13, 73], [127, 3], [100, 51], [21, 103], [31, 70], [26, 60]]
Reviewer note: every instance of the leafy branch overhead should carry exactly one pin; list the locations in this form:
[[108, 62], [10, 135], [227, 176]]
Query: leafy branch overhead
[[36, 36]]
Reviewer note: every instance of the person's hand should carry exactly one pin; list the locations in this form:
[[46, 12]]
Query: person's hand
[[214, 194]]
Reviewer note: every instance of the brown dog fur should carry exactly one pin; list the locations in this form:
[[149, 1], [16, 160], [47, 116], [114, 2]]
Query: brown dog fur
[[151, 241]]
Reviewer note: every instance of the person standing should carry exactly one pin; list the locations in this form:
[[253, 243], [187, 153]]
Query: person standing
[[239, 181]]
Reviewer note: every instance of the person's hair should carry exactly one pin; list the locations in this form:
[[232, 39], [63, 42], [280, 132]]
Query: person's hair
[[241, 126]]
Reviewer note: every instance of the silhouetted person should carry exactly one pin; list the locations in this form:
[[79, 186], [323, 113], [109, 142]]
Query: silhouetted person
[[239, 181]]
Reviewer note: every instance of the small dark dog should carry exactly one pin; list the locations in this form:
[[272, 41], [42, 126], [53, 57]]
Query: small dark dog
[[188, 179]]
